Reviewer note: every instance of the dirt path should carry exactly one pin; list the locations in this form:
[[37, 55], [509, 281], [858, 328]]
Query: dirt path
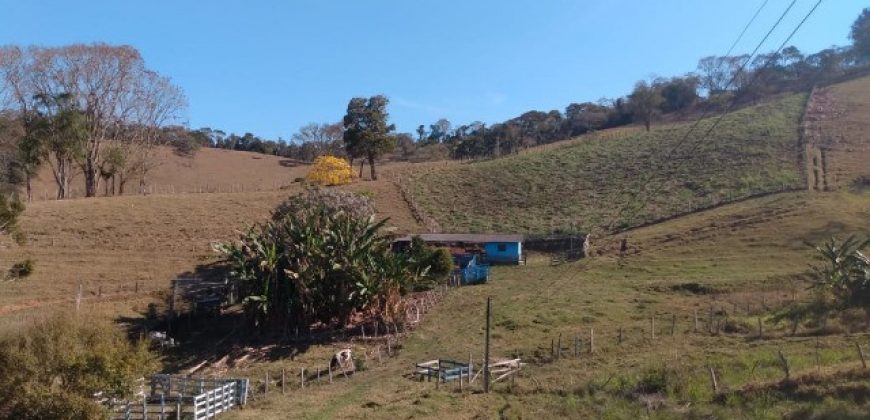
[[821, 109]]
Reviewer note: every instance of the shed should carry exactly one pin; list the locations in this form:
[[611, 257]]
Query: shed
[[505, 249]]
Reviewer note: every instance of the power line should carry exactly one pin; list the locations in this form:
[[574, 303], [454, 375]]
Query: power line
[[743, 32], [731, 81], [704, 114], [755, 77]]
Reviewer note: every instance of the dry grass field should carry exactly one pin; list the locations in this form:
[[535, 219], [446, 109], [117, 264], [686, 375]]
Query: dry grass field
[[209, 170]]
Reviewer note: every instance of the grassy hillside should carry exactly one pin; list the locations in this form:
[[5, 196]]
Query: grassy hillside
[[744, 260], [585, 183]]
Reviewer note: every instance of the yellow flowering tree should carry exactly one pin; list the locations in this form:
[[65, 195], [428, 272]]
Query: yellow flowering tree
[[330, 170]]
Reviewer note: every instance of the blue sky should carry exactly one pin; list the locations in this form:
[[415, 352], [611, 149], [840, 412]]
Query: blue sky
[[269, 67]]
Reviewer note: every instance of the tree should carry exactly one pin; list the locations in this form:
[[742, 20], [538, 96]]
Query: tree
[[645, 101], [405, 145], [119, 98], [439, 131], [421, 132], [366, 131], [10, 209], [330, 170], [323, 137], [583, 117], [860, 35], [114, 166], [55, 132], [679, 93]]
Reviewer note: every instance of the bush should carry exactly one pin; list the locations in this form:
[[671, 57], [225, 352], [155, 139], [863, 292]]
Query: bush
[[441, 263], [330, 170], [434, 265], [844, 272], [53, 369], [21, 269]]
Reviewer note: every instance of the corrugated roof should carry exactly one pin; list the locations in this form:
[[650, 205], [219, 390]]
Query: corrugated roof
[[463, 237]]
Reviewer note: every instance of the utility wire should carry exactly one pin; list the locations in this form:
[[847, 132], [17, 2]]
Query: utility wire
[[750, 83], [743, 32], [755, 77], [734, 77]]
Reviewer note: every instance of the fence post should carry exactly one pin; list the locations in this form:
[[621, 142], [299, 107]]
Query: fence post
[[79, 297], [486, 348], [695, 328], [559, 347], [329, 370], [592, 341], [576, 346], [785, 366], [302, 377], [266, 387], [863, 357], [710, 326], [283, 381], [178, 408], [652, 327], [713, 380], [760, 330]]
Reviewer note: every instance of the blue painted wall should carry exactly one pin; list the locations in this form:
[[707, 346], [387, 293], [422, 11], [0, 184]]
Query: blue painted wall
[[510, 252]]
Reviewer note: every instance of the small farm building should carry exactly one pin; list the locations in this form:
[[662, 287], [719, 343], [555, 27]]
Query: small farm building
[[502, 249]]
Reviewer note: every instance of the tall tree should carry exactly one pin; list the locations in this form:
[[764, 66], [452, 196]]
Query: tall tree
[[120, 99], [679, 93], [439, 131], [56, 132], [860, 35], [323, 137], [644, 101], [421, 132], [366, 131]]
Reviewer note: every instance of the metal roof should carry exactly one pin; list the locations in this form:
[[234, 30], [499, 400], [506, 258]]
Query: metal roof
[[463, 237]]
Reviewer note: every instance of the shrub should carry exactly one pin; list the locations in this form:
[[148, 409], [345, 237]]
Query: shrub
[[330, 170], [53, 369], [21, 269], [844, 272], [441, 263], [433, 265]]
